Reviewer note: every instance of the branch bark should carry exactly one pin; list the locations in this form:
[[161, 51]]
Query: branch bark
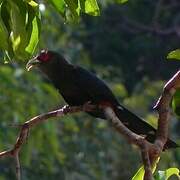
[[163, 108]]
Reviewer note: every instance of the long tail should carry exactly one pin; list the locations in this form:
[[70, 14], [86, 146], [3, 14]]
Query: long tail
[[139, 126]]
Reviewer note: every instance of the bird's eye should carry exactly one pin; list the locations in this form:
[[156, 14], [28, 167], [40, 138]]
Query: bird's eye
[[44, 56]]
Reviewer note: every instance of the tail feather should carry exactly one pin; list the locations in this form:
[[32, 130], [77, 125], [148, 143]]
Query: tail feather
[[139, 126], [135, 124]]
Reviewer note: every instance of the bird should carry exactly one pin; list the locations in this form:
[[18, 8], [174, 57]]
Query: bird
[[79, 86]]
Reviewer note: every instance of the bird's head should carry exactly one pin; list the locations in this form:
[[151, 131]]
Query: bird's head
[[46, 60], [43, 57]]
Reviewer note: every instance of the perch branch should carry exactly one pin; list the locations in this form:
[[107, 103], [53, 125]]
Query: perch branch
[[14, 152]]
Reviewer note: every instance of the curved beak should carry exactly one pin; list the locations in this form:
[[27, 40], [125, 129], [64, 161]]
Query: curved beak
[[32, 63]]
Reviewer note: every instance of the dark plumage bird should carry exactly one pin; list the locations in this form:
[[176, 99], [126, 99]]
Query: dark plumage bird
[[78, 86]]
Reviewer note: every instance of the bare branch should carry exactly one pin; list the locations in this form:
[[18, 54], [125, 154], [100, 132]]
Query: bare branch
[[130, 23], [39, 119], [14, 152], [163, 107], [133, 138]]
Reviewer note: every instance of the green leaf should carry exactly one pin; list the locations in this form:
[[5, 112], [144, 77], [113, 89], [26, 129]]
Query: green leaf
[[176, 102], [32, 3], [34, 36], [18, 34], [3, 33], [140, 173], [59, 6], [25, 28], [73, 7], [33, 29], [5, 15], [164, 175], [121, 1], [174, 54], [90, 7]]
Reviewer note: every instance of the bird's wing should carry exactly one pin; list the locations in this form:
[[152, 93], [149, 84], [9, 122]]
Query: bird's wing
[[93, 87]]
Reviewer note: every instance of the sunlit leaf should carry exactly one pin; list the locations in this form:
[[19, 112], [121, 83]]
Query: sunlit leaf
[[34, 38], [18, 34], [90, 7], [32, 3], [59, 6], [174, 54], [164, 175], [23, 29], [140, 173], [32, 29]]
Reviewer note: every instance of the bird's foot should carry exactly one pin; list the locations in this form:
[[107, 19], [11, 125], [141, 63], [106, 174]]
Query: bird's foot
[[88, 106]]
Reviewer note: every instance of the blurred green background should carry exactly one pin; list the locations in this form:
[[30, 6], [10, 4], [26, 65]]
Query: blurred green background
[[126, 46]]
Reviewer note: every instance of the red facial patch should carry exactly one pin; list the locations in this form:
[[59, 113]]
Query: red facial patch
[[44, 56]]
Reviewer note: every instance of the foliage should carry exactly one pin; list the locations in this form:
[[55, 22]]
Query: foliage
[[174, 54], [20, 23], [20, 28], [131, 62], [160, 175], [176, 99], [140, 173], [165, 175]]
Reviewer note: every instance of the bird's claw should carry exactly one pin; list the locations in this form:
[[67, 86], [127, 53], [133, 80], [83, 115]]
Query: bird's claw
[[88, 106]]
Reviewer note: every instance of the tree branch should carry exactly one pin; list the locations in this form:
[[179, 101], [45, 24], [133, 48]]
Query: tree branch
[[14, 152], [150, 152], [163, 107], [132, 25], [133, 138]]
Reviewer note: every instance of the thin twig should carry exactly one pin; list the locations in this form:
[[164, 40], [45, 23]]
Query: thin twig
[[18, 167], [157, 13], [147, 163]]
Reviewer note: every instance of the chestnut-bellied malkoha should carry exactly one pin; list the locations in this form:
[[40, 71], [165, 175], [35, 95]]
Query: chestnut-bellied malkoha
[[79, 86]]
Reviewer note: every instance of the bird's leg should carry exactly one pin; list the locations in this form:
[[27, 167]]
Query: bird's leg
[[88, 106]]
